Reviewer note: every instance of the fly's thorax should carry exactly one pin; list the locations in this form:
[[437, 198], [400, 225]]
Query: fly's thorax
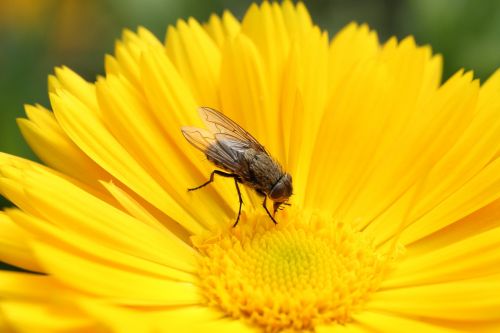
[[263, 170]]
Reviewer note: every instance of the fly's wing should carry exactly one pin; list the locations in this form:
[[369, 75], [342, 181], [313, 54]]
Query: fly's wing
[[208, 144], [200, 138], [226, 130]]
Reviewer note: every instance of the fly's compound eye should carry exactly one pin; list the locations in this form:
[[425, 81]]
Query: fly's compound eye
[[283, 189], [277, 192]]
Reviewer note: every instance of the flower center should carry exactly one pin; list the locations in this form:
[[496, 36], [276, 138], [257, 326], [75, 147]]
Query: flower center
[[300, 273]]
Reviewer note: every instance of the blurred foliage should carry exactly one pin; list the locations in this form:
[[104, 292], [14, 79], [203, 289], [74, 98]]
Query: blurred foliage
[[37, 35]]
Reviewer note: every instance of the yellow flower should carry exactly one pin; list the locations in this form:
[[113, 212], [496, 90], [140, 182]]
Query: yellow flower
[[394, 223]]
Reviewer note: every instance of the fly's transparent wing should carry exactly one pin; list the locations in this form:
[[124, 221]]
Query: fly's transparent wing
[[224, 129], [220, 152], [200, 138]]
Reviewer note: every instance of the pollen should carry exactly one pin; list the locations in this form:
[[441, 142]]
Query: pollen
[[303, 272]]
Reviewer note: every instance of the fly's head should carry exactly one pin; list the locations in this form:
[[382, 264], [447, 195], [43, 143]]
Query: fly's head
[[281, 191]]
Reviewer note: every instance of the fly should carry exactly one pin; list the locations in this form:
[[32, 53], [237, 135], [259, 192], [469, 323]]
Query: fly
[[234, 150]]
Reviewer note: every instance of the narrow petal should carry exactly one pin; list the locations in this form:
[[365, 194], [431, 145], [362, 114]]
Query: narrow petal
[[31, 317], [264, 26], [15, 246], [222, 28], [174, 106], [382, 322], [468, 300], [351, 327], [294, 134], [114, 284], [245, 98], [477, 193], [245, 92], [89, 132], [133, 207], [482, 220], [304, 93], [67, 79], [475, 256], [54, 199], [429, 135], [198, 60], [173, 269], [126, 108], [175, 319], [350, 47], [49, 142], [26, 285], [474, 159], [37, 303], [128, 53], [343, 153]]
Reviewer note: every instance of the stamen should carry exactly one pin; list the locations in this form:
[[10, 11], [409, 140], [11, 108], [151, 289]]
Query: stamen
[[307, 270]]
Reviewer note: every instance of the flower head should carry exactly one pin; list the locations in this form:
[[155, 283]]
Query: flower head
[[396, 179]]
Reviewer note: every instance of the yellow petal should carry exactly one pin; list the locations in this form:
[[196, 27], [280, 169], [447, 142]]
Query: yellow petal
[[429, 133], [296, 141], [27, 286], [383, 322], [482, 220], [350, 47], [65, 204], [490, 90], [478, 192], [168, 94], [198, 60], [351, 327], [174, 106], [304, 92], [174, 268], [116, 285], [14, 243], [222, 28], [36, 303], [133, 207], [75, 85], [45, 136], [89, 133], [471, 257], [468, 300], [128, 53], [264, 26], [344, 150], [245, 92], [31, 317], [180, 319]]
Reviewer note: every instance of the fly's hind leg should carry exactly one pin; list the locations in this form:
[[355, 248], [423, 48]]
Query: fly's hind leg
[[215, 172], [228, 175]]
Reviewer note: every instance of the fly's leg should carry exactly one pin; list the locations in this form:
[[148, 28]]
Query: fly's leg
[[267, 211], [241, 201], [227, 175], [215, 172]]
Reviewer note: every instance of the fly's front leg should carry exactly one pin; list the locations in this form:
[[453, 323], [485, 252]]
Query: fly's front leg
[[264, 204]]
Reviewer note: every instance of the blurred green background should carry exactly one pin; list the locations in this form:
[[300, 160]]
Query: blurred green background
[[36, 35]]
